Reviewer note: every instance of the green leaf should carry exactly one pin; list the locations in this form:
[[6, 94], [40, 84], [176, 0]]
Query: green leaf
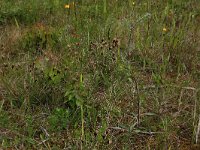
[[79, 102]]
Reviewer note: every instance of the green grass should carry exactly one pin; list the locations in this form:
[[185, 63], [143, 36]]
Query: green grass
[[99, 75]]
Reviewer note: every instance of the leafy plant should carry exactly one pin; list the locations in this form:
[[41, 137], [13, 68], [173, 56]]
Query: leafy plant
[[59, 119]]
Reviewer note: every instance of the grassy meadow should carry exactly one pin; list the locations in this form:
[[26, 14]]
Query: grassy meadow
[[100, 74]]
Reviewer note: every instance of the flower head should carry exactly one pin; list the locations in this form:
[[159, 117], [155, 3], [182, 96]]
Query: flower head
[[164, 29], [67, 6]]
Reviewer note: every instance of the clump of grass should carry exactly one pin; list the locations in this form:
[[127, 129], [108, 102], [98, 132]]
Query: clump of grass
[[99, 74]]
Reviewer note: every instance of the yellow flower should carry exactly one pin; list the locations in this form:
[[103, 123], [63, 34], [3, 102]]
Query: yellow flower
[[66, 6], [164, 29]]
